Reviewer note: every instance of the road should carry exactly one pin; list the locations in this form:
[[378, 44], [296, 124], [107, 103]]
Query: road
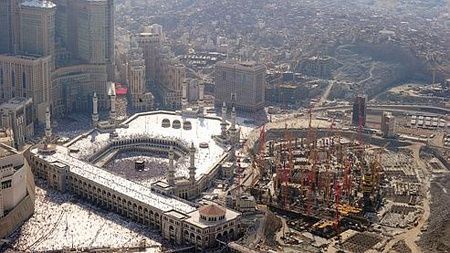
[[372, 67], [326, 93], [411, 235]]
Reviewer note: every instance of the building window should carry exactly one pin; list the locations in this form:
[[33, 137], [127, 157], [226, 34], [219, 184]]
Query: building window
[[224, 75], [24, 81], [1, 76], [6, 184], [13, 80]]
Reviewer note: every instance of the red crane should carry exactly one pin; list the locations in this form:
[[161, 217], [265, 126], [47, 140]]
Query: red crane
[[337, 196]]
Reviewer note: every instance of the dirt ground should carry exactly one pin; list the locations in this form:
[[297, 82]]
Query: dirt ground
[[437, 236]]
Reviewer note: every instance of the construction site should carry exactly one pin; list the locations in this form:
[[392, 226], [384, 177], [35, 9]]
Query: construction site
[[333, 190]]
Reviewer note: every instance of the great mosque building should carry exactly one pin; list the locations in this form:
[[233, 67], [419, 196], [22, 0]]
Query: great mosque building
[[196, 146]]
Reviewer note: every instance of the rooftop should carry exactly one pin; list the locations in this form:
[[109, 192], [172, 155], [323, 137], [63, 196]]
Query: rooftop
[[116, 183], [195, 218], [15, 103], [6, 150], [149, 124], [39, 4], [212, 210]]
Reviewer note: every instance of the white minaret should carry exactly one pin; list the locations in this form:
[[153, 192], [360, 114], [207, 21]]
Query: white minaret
[[223, 124], [192, 164], [234, 132], [112, 113], [171, 170], [2, 209], [48, 125], [95, 110], [233, 119], [201, 97], [184, 100]]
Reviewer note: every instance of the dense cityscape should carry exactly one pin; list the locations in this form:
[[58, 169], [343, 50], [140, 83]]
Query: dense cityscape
[[224, 126]]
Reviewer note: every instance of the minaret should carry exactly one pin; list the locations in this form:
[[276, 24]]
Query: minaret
[[192, 164], [171, 170], [233, 119], [223, 124], [112, 113], [201, 97], [95, 110], [48, 125], [184, 100], [233, 130]]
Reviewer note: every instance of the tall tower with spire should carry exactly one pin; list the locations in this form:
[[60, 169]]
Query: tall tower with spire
[[112, 113], [201, 97], [48, 125], [234, 132], [95, 117], [184, 99], [171, 170], [223, 124], [192, 164]]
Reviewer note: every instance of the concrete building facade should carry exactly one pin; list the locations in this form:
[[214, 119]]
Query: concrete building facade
[[241, 84], [37, 28], [73, 88], [16, 190], [26, 76], [388, 125], [141, 100], [9, 30], [17, 115], [150, 44], [359, 111]]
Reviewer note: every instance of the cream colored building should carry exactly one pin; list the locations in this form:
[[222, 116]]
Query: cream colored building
[[150, 44], [73, 87], [140, 99], [169, 84], [165, 74], [26, 76], [75, 168], [9, 20], [388, 124], [37, 28], [16, 190], [241, 84], [17, 115]]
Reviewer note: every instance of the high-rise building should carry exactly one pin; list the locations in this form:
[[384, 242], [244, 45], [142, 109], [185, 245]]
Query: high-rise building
[[359, 111], [26, 76], [89, 25], [140, 99], [150, 44], [5, 27], [17, 115], [388, 125], [86, 29], [169, 85], [37, 28], [110, 45], [241, 83], [9, 26], [73, 88]]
